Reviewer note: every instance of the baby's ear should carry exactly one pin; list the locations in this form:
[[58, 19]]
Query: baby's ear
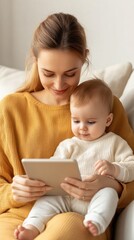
[[109, 119]]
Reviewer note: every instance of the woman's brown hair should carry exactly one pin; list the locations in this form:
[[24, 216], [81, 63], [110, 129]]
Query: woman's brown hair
[[57, 31]]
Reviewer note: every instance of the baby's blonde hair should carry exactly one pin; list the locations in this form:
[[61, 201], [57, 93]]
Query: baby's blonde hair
[[91, 88]]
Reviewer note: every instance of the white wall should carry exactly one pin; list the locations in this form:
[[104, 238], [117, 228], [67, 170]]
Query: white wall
[[109, 26]]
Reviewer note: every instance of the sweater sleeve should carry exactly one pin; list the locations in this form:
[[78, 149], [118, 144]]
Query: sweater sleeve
[[6, 198], [6, 173], [120, 126], [125, 160]]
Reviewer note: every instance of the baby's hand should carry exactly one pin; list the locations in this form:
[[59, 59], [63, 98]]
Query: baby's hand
[[103, 167]]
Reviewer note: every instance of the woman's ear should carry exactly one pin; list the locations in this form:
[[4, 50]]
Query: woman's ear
[[87, 52], [109, 119]]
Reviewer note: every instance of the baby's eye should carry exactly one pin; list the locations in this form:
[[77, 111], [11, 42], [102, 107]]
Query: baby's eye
[[76, 121], [91, 122]]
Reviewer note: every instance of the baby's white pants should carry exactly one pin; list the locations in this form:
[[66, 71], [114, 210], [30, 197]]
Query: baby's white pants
[[100, 210]]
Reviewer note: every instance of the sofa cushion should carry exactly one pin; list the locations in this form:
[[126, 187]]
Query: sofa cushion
[[116, 76], [127, 99], [10, 80]]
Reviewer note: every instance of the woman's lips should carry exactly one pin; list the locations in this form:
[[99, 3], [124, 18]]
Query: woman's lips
[[59, 92]]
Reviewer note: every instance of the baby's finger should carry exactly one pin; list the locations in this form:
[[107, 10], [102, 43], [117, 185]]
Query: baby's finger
[[98, 164]]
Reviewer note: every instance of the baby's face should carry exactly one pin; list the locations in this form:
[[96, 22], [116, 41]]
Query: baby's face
[[89, 121]]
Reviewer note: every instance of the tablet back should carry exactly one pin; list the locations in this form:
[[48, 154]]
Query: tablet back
[[52, 172]]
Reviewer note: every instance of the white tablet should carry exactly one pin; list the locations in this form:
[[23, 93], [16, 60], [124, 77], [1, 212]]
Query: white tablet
[[52, 172]]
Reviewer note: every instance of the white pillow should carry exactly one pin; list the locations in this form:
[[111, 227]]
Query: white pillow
[[116, 76], [10, 80], [127, 99]]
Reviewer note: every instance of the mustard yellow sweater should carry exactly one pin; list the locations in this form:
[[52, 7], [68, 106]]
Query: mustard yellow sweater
[[31, 129]]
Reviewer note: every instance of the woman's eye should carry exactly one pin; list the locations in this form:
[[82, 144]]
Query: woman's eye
[[70, 74], [48, 75]]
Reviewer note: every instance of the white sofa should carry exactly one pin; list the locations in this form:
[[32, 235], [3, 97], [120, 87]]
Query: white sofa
[[120, 78]]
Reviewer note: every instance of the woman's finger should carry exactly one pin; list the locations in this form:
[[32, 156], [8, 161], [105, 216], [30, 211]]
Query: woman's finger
[[27, 190], [24, 180], [77, 183], [79, 191], [25, 196]]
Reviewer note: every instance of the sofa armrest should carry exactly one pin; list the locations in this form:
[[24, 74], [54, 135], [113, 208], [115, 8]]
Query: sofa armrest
[[125, 224]]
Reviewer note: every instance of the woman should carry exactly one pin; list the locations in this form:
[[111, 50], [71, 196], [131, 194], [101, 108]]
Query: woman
[[37, 116]]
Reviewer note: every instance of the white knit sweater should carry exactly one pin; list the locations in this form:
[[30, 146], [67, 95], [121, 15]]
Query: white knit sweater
[[110, 147]]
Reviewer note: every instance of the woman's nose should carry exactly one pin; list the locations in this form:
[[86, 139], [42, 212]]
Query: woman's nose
[[59, 83]]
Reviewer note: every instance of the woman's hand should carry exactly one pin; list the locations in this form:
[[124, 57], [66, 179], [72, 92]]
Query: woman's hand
[[86, 189], [27, 190]]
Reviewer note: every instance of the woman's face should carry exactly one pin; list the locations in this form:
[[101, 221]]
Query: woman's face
[[59, 72]]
